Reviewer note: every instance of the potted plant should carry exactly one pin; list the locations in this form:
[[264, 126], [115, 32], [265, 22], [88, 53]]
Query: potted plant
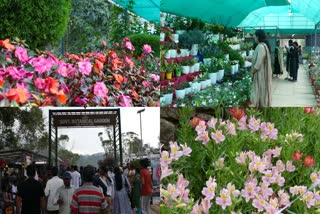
[[192, 62], [178, 70], [170, 70], [168, 93], [196, 85], [196, 66], [212, 71], [220, 67], [186, 66], [162, 70], [180, 92], [187, 87]]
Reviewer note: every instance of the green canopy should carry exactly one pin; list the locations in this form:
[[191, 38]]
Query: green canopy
[[147, 9], [298, 15]]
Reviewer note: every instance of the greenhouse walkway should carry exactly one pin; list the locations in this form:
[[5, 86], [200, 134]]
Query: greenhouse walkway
[[293, 94]]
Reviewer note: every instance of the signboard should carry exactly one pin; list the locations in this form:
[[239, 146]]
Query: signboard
[[84, 120]]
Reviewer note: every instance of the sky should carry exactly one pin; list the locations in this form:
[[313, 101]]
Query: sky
[[85, 140]]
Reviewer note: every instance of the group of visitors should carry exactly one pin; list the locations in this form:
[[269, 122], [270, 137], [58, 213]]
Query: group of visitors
[[106, 190], [262, 73]]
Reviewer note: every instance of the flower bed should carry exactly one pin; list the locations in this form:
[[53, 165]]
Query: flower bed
[[249, 162], [106, 78]]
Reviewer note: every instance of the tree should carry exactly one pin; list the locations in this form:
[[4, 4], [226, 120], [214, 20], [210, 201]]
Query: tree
[[39, 22], [107, 143], [66, 155], [132, 143]]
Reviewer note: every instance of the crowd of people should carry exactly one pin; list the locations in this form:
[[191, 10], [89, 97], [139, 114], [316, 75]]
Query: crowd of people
[[90, 190]]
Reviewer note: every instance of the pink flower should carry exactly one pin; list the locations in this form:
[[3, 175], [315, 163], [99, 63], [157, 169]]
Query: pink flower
[[21, 54], [250, 190], [314, 177], [276, 152], [280, 180], [209, 191], [242, 159], [40, 83], [201, 127], [309, 199], [129, 46], [294, 190], [204, 137], [165, 158], [85, 67], [155, 77], [62, 69], [206, 204], [290, 167], [231, 128], [147, 49], [232, 190], [103, 43], [268, 177], [15, 73], [146, 84], [280, 166], [42, 65], [219, 164], [257, 165], [125, 101], [268, 130], [284, 198], [224, 200], [186, 150], [100, 89], [129, 62], [259, 203], [254, 124], [243, 123], [218, 136], [165, 171], [266, 191], [175, 153], [212, 123], [196, 209], [173, 191], [65, 88]]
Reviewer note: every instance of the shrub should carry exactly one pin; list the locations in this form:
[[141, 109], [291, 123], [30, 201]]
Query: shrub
[[39, 22], [138, 40]]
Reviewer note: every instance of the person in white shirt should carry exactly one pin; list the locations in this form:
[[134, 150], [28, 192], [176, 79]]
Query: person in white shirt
[[76, 177], [64, 194], [51, 191]]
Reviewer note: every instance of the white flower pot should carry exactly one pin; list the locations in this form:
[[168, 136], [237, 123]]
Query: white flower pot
[[163, 100], [180, 31], [167, 55], [206, 61], [168, 98], [187, 90], [208, 82], [185, 69], [162, 37], [203, 84], [213, 77], [243, 54], [234, 69], [175, 38], [220, 75], [180, 94], [194, 87], [197, 67], [194, 49], [237, 68], [226, 57], [173, 53], [191, 69], [187, 53]]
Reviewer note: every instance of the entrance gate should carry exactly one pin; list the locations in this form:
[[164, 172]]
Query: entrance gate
[[85, 118]]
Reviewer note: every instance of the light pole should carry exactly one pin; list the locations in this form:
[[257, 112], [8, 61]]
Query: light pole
[[139, 112]]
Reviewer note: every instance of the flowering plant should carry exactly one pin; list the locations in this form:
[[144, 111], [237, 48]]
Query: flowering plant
[[246, 165], [106, 78]]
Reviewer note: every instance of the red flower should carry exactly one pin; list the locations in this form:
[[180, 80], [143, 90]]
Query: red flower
[[62, 97], [309, 110], [195, 121], [51, 85], [6, 43], [98, 66], [309, 161], [135, 94], [297, 156], [237, 113], [1, 82]]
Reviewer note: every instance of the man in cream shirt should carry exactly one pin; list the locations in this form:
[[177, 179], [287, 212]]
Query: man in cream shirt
[[64, 194], [51, 192]]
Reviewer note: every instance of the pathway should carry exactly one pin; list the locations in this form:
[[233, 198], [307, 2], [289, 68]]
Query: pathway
[[293, 94]]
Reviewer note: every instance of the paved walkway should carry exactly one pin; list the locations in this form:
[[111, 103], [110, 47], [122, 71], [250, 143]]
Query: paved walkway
[[293, 94]]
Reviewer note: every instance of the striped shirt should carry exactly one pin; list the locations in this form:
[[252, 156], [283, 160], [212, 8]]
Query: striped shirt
[[88, 199]]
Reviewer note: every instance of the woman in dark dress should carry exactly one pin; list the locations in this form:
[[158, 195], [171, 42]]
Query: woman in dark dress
[[278, 60]]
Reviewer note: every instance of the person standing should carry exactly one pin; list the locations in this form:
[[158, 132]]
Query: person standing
[[291, 62], [146, 191], [30, 195], [295, 61], [64, 194], [121, 203], [136, 191], [106, 185], [88, 198], [261, 72], [76, 177], [278, 60], [51, 191]]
